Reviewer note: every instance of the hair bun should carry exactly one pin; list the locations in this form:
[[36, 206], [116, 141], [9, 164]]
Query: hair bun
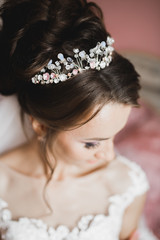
[[35, 31]]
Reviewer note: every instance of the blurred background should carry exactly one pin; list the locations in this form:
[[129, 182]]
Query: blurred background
[[135, 26]]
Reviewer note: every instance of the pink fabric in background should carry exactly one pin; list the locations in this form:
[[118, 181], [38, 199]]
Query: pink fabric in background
[[133, 23], [140, 142]]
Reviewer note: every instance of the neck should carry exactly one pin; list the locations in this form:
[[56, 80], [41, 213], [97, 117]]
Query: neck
[[61, 170], [64, 171]]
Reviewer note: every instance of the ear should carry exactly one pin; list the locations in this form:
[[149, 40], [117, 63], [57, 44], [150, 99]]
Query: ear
[[39, 128]]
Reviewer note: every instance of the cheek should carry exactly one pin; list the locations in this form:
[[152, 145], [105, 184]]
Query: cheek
[[68, 148], [76, 151]]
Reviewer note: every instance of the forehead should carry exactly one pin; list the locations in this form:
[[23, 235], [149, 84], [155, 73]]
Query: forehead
[[109, 120]]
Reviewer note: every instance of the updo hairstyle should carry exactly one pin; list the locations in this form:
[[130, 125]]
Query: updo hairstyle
[[35, 31]]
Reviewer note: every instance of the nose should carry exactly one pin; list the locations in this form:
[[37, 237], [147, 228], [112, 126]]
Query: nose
[[106, 152]]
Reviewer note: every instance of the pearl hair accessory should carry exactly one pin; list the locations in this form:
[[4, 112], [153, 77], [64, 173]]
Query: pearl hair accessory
[[98, 58]]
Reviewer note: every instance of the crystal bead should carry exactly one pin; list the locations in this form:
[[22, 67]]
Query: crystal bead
[[61, 56], [76, 50], [56, 80], [45, 76], [67, 67], [82, 54], [102, 64], [51, 66], [110, 41], [75, 72], [91, 54], [62, 77], [33, 80], [53, 75], [57, 63], [50, 62], [72, 65], [69, 59], [92, 65], [42, 70], [103, 44], [110, 49], [39, 77]]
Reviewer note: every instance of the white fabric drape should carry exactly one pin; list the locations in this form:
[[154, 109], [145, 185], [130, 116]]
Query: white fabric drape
[[11, 129]]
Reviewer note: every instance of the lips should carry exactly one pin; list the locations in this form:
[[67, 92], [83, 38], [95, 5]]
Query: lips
[[92, 161]]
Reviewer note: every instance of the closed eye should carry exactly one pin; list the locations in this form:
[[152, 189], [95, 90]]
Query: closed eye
[[90, 145]]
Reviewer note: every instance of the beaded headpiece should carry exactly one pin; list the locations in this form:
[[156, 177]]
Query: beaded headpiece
[[64, 68]]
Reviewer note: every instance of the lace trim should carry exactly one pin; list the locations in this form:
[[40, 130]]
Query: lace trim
[[118, 204]]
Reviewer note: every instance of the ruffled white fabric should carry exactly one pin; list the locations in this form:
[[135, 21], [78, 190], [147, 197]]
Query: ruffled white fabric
[[95, 227]]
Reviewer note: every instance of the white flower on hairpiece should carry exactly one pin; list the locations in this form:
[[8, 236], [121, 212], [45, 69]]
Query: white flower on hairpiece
[[98, 58]]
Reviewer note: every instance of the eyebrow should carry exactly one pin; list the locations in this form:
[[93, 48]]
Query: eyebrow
[[97, 139]]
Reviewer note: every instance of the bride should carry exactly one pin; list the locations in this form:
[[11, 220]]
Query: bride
[[66, 181]]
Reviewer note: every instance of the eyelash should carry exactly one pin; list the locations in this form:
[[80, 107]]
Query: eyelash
[[90, 145]]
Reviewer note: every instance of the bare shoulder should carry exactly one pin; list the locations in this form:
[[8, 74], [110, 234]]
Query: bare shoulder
[[8, 160], [131, 216], [12, 157], [123, 173], [4, 178], [117, 177]]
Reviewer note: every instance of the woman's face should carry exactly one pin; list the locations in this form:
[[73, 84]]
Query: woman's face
[[92, 143]]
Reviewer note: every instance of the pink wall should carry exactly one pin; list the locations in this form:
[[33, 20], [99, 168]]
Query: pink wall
[[134, 24]]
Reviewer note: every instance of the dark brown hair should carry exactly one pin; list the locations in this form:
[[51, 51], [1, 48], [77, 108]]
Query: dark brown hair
[[35, 31]]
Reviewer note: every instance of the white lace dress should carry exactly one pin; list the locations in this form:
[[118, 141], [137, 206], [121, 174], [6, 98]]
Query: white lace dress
[[89, 227]]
